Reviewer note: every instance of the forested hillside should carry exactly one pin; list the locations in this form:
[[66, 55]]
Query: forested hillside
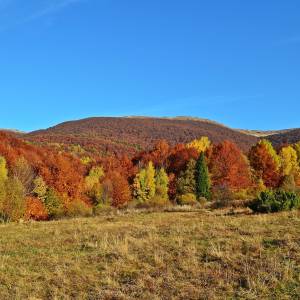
[[42, 182], [131, 135], [289, 137]]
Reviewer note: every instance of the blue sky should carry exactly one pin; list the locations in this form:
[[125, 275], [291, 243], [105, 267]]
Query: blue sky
[[233, 61]]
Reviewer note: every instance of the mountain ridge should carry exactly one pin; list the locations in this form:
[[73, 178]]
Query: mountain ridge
[[254, 132], [131, 134], [134, 133]]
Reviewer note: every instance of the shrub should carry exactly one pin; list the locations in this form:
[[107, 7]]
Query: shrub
[[274, 201], [242, 194], [78, 208], [102, 208], [187, 199], [159, 201], [202, 202], [222, 195], [155, 202], [288, 183], [35, 210]]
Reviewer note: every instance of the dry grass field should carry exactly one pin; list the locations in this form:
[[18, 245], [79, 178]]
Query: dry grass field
[[158, 255]]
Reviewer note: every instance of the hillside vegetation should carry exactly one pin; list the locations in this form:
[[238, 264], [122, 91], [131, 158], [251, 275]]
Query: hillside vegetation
[[292, 136], [131, 135], [179, 255], [44, 183], [176, 221]]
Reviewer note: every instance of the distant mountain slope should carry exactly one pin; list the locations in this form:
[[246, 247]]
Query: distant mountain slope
[[264, 133], [131, 134], [289, 137]]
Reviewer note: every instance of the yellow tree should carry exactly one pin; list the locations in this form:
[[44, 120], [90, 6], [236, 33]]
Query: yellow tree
[[269, 147], [144, 183], [93, 184], [3, 180], [162, 182], [201, 145], [289, 161], [297, 148]]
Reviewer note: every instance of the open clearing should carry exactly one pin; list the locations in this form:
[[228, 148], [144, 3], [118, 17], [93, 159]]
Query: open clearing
[[178, 255]]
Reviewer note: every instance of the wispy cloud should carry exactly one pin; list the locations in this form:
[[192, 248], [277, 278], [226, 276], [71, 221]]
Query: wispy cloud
[[54, 7], [50, 7]]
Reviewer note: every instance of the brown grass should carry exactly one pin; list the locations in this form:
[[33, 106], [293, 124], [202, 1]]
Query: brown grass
[[170, 255]]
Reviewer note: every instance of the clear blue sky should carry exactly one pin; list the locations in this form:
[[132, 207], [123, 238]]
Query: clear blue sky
[[233, 61]]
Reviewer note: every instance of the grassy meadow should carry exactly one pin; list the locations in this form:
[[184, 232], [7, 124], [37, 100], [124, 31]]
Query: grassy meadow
[[153, 255]]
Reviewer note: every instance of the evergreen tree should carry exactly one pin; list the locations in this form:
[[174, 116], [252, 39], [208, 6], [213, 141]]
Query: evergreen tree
[[186, 183], [162, 184], [202, 178]]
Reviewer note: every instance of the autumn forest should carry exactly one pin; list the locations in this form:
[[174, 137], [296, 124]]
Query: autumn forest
[[41, 182]]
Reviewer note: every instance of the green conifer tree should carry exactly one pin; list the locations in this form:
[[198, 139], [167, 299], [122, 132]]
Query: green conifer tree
[[202, 178]]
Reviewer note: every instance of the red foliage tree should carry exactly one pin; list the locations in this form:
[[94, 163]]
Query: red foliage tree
[[60, 170], [119, 191], [180, 155], [229, 167], [172, 186], [264, 166], [159, 155]]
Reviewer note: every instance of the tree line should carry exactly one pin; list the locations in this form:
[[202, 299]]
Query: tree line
[[41, 184]]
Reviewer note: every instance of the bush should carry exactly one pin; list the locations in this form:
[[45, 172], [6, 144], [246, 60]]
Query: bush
[[102, 208], [288, 183], [158, 201], [242, 194], [78, 208], [274, 201], [155, 202], [187, 199], [202, 202], [222, 196]]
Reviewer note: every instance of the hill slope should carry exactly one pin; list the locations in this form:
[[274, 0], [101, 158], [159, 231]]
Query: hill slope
[[289, 137], [128, 135]]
